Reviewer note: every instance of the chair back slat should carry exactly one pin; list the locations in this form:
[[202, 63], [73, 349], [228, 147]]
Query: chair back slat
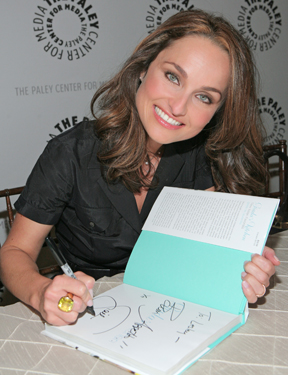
[[281, 166], [7, 193], [281, 149]]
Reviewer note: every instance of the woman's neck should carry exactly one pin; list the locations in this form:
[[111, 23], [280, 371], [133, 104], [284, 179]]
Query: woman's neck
[[153, 147]]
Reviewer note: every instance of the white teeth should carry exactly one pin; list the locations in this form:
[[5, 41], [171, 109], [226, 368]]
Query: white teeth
[[165, 117]]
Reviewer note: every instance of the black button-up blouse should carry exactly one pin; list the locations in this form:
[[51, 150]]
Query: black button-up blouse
[[97, 224]]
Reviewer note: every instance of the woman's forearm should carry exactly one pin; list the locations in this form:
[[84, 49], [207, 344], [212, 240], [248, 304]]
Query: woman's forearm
[[19, 273]]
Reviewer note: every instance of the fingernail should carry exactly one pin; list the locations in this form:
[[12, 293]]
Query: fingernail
[[90, 302], [91, 293], [245, 284], [276, 258], [243, 274], [253, 255], [246, 261]]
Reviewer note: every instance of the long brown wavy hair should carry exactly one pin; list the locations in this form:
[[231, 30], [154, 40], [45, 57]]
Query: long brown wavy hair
[[234, 135]]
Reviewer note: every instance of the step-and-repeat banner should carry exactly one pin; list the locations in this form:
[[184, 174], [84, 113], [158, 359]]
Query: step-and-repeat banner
[[56, 53]]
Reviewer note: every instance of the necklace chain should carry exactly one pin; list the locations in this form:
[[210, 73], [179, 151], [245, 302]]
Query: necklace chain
[[156, 156]]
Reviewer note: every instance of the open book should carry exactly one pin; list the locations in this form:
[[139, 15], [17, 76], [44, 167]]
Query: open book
[[182, 292]]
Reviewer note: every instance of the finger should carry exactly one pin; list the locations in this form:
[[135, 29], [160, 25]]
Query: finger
[[69, 306], [79, 305], [269, 254], [71, 316], [59, 288], [89, 282], [63, 284], [263, 264], [255, 272], [56, 320], [53, 315], [86, 279], [64, 318], [254, 287], [249, 292]]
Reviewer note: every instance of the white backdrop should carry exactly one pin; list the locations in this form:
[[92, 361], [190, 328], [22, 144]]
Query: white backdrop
[[56, 53]]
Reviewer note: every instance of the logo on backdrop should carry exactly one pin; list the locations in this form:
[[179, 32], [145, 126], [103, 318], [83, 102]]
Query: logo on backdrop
[[161, 10], [273, 118], [260, 23], [66, 29], [65, 124]]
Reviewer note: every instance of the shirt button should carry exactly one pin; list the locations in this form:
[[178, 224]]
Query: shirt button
[[91, 224]]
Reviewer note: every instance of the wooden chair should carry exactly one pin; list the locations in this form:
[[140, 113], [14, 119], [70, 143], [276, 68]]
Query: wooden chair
[[278, 168], [7, 193], [45, 255]]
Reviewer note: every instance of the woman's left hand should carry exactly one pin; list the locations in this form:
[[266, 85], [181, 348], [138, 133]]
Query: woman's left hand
[[257, 274]]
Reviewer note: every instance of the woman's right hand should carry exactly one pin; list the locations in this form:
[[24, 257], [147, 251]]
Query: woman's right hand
[[51, 293], [20, 274]]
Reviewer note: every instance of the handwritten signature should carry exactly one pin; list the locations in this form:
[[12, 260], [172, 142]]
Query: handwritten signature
[[114, 315], [176, 309], [132, 333]]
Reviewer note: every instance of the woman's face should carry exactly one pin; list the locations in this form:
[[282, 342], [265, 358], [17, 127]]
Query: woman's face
[[182, 90]]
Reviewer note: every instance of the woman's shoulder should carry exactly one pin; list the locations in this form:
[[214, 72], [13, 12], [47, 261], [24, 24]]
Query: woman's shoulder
[[84, 130], [81, 137], [75, 146]]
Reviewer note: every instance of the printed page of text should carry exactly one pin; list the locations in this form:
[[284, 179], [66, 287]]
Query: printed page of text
[[231, 220]]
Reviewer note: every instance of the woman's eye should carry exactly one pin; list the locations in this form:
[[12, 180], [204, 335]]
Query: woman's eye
[[172, 77], [204, 98]]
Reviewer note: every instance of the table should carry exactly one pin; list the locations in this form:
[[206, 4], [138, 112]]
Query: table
[[260, 347]]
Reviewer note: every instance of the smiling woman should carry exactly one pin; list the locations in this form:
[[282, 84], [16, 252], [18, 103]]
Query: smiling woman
[[181, 112], [181, 90], [195, 67]]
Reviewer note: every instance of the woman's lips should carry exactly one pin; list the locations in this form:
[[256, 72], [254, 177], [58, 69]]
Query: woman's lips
[[166, 120]]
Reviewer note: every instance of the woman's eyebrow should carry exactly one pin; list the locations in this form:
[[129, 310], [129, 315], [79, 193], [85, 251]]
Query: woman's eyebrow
[[178, 67], [208, 88]]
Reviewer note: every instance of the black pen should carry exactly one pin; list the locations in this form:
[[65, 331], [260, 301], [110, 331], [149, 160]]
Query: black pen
[[63, 264]]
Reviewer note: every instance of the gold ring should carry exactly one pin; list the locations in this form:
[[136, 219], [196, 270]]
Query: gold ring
[[264, 291], [66, 303]]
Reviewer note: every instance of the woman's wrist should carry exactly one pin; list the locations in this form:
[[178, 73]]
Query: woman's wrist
[[36, 293]]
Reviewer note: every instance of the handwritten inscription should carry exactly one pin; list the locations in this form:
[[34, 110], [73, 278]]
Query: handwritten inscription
[[192, 324], [190, 327], [112, 315], [176, 309], [132, 333], [106, 307]]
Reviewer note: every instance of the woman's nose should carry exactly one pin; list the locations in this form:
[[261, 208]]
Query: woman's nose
[[178, 104]]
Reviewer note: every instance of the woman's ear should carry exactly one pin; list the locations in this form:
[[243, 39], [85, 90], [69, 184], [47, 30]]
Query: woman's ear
[[142, 75]]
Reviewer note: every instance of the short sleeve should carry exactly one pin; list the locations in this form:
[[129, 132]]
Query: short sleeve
[[49, 186]]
